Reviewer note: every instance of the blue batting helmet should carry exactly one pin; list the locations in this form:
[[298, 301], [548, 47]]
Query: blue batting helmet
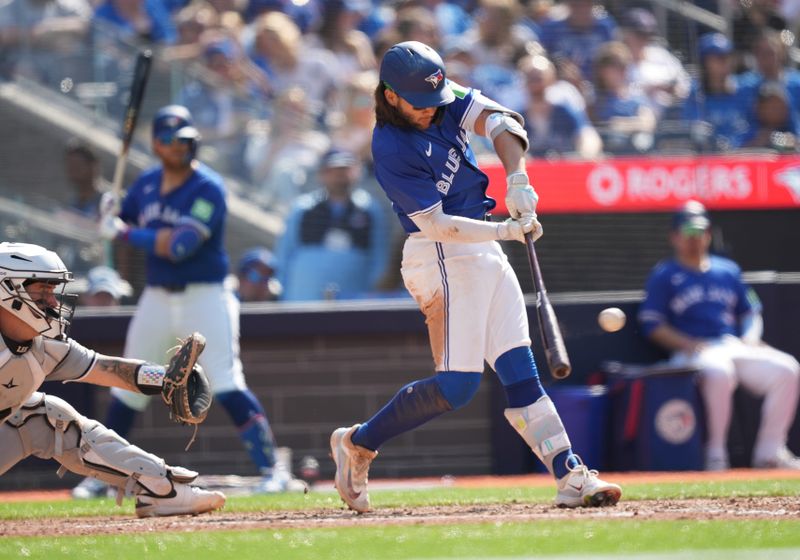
[[175, 122], [415, 72]]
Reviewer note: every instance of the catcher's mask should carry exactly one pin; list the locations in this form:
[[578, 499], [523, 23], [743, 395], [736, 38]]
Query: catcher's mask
[[23, 265]]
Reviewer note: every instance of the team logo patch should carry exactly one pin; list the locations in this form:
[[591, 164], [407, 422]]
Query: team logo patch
[[675, 421], [202, 210], [435, 78]]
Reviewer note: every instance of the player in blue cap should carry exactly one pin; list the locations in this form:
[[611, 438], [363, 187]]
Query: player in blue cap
[[457, 272], [699, 309], [175, 212]]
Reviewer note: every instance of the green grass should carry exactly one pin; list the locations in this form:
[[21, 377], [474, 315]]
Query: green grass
[[552, 537], [410, 498]]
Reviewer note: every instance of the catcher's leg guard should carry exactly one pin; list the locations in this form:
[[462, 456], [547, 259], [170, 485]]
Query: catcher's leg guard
[[540, 426]]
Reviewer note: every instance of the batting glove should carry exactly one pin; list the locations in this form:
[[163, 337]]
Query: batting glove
[[111, 226], [520, 197], [109, 204], [515, 230]]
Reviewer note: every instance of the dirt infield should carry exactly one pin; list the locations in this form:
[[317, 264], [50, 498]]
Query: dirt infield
[[694, 509]]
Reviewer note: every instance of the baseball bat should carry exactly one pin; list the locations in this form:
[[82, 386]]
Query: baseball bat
[[554, 348], [140, 75]]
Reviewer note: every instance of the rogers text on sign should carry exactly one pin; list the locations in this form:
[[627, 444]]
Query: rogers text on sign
[[609, 185]]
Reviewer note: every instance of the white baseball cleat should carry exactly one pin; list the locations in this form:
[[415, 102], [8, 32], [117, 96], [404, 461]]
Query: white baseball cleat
[[352, 468], [187, 500], [280, 480], [582, 488], [783, 459]]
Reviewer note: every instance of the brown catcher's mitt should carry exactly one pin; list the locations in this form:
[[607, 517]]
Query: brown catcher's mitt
[[186, 389]]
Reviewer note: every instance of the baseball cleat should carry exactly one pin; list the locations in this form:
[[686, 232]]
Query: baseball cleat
[[582, 488], [783, 459], [352, 468], [187, 500], [280, 480]]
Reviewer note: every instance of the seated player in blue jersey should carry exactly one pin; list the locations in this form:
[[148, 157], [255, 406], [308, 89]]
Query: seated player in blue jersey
[[698, 308], [176, 212], [457, 272]]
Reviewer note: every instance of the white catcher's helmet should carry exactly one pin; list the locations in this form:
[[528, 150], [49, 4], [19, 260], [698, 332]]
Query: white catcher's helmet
[[24, 263]]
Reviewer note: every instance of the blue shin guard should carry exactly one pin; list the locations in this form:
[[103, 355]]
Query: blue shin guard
[[248, 415], [417, 403]]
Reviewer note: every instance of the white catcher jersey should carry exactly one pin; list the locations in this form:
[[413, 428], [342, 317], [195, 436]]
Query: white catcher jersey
[[24, 367]]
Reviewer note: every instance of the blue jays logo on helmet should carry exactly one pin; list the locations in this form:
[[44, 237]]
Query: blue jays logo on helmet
[[175, 122], [410, 69], [435, 78]]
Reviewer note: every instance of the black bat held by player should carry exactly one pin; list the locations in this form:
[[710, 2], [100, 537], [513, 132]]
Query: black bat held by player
[[140, 74], [553, 341]]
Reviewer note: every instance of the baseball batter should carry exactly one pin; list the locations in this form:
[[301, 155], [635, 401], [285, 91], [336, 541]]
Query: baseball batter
[[698, 308], [34, 347], [457, 272], [176, 213]]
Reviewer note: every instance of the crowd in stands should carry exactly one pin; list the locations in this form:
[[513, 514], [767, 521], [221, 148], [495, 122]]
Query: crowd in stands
[[276, 84]]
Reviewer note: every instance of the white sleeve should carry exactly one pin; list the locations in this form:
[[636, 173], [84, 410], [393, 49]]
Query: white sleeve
[[438, 226]]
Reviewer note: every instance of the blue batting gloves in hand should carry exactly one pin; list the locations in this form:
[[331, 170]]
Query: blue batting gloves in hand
[[520, 197], [111, 226], [109, 204]]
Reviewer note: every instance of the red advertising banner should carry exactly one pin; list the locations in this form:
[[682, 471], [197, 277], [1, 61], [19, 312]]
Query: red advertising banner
[[655, 184]]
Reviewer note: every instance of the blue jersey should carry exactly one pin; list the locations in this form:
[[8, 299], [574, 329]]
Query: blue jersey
[[419, 169], [198, 203], [706, 304], [731, 113]]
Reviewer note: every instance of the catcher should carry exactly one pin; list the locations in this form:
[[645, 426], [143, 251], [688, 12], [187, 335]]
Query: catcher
[[35, 313]]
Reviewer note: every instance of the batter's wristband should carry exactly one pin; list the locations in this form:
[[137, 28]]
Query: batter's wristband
[[150, 378]]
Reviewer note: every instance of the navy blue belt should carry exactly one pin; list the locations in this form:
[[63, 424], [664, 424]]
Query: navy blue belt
[[172, 288]]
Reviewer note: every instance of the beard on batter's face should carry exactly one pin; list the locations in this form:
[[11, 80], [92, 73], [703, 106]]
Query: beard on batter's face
[[392, 109]]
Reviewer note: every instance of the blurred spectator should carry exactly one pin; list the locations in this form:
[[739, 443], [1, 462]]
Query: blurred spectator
[[494, 47], [223, 98], [103, 287], [554, 128], [624, 119], [336, 242], [698, 308], [771, 57], [450, 19], [255, 274], [138, 20], [752, 17], [283, 154], [192, 23], [718, 98], [775, 125], [537, 12], [82, 169], [41, 38], [578, 36], [338, 33], [279, 51], [655, 71], [416, 23], [357, 116]]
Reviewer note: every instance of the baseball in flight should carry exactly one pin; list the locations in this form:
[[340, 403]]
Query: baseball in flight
[[611, 319]]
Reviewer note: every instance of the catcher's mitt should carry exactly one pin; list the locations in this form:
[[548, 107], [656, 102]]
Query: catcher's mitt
[[186, 389]]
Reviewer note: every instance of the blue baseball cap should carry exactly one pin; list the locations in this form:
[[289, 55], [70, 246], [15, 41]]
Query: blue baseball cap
[[690, 218], [336, 157], [257, 255], [415, 72], [714, 43]]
